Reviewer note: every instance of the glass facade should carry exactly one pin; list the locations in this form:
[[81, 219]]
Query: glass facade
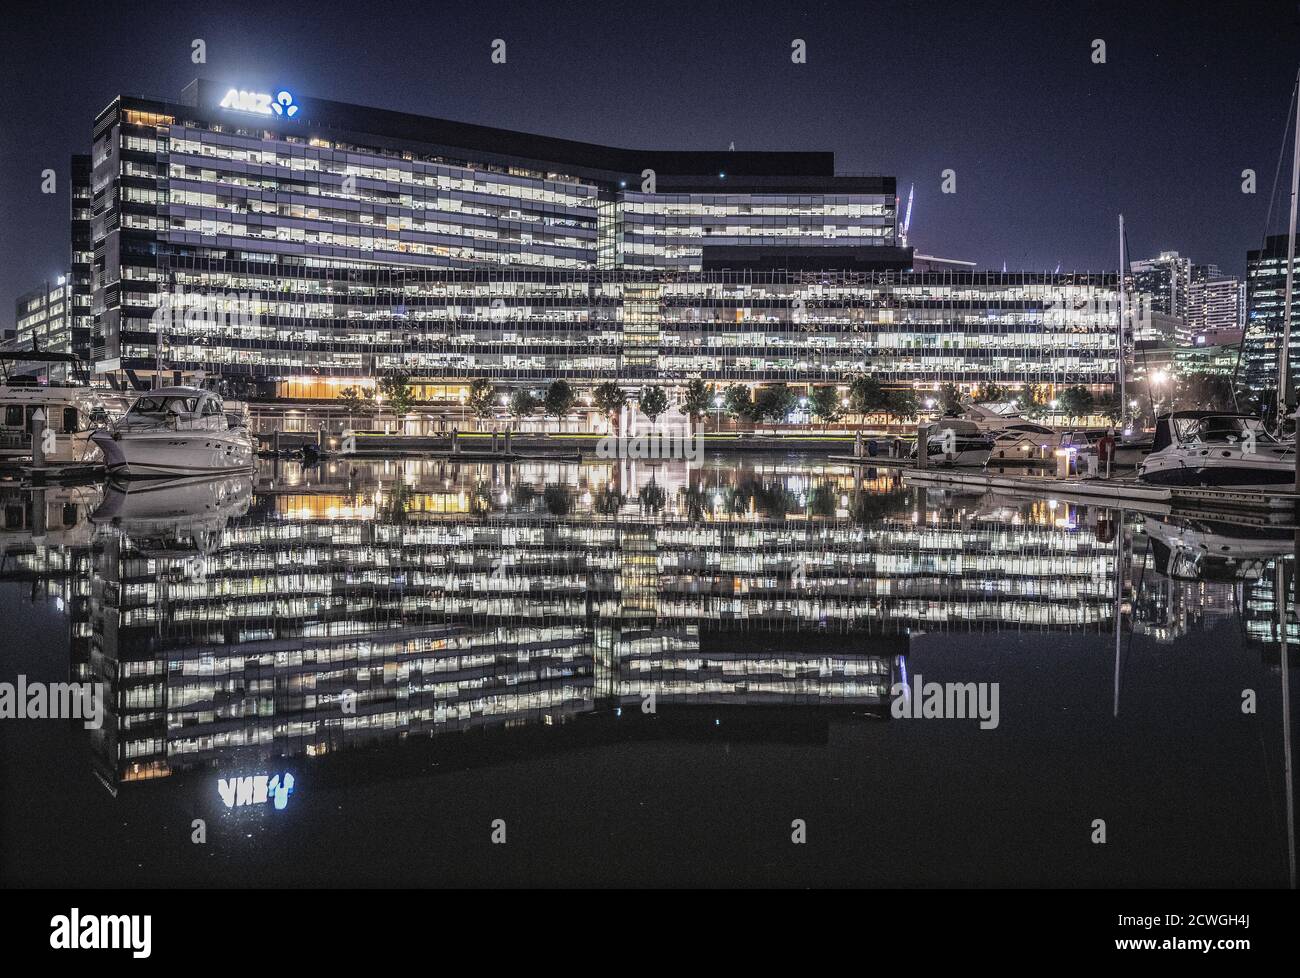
[[315, 252], [1265, 314]]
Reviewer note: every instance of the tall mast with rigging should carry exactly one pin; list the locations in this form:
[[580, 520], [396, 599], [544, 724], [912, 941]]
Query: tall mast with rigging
[[1119, 345], [1285, 349]]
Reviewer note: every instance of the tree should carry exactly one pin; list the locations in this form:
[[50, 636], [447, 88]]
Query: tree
[[825, 403], [609, 398], [866, 396], [737, 402], [396, 390], [356, 400], [1110, 408], [559, 398], [902, 404], [773, 403], [482, 398], [1213, 392], [994, 393], [950, 398], [1030, 404], [523, 403], [699, 398], [654, 402], [1076, 401]]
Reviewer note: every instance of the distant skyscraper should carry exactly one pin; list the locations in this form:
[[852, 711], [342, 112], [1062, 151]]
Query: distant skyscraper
[[1265, 305], [82, 256], [1213, 304], [1164, 282]]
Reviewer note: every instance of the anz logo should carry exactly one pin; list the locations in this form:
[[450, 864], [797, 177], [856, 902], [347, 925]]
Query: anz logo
[[256, 790], [260, 102]]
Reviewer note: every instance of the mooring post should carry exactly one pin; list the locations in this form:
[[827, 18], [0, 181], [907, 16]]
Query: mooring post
[[38, 438]]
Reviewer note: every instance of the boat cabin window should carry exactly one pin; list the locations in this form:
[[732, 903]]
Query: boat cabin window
[[162, 406], [1220, 429], [211, 407], [20, 416]]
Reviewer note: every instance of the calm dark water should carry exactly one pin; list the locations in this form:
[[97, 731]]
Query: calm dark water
[[428, 649]]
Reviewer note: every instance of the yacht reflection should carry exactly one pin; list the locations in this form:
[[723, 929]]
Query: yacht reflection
[[1188, 549], [175, 515]]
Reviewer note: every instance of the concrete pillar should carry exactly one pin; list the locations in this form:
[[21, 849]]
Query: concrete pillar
[[922, 446], [455, 441]]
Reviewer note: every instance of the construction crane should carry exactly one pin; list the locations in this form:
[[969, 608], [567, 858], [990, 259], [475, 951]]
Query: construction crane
[[907, 220]]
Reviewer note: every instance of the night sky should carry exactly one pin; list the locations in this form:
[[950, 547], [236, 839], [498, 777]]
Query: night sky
[[1048, 147]]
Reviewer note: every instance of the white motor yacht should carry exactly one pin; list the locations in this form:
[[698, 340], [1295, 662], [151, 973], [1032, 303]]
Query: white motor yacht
[[176, 431], [1218, 449], [954, 441], [69, 409]]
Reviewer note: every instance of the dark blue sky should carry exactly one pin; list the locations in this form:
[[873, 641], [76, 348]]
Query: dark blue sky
[[1048, 147]]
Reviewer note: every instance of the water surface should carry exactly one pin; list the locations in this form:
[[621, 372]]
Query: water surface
[[427, 649]]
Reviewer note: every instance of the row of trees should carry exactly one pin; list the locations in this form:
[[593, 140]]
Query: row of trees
[[774, 402]]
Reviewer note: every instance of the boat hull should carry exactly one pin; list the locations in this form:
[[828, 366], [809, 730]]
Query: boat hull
[[147, 454], [1229, 474]]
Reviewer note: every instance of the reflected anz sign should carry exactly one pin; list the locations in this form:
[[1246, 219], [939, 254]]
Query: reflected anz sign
[[260, 103], [256, 789]]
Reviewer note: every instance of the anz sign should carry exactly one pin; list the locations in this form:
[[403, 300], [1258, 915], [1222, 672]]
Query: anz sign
[[261, 103], [256, 790]]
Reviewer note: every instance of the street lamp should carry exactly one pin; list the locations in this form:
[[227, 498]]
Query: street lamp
[[717, 403]]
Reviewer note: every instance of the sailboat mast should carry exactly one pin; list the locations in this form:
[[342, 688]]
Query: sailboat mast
[[1123, 400], [1285, 350]]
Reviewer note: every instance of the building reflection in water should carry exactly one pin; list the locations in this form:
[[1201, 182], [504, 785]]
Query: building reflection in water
[[241, 622]]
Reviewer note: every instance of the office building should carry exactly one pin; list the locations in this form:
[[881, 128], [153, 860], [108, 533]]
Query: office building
[[304, 244]]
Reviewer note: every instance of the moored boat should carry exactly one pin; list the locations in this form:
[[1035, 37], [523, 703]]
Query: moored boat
[[176, 431], [1217, 449]]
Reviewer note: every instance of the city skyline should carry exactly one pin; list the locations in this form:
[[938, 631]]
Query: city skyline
[[1003, 211]]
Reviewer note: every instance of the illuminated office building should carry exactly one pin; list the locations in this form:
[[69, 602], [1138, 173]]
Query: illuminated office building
[[1162, 283], [42, 317], [1265, 314], [321, 243], [56, 317]]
